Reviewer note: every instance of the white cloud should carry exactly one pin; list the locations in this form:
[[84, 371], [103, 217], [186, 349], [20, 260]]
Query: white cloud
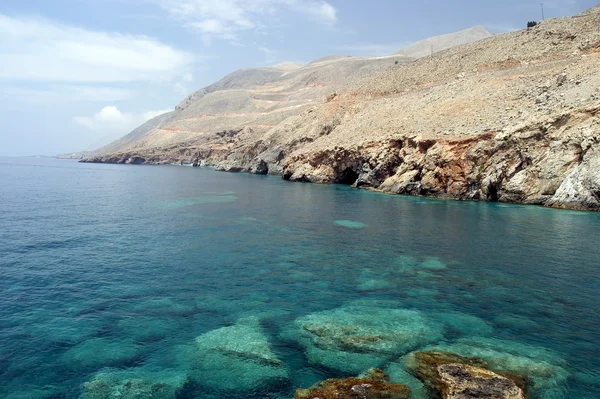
[[226, 19], [42, 50], [322, 11], [110, 120], [61, 93]]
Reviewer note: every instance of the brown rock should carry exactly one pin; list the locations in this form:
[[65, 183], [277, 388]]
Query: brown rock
[[456, 377], [461, 381], [374, 385]]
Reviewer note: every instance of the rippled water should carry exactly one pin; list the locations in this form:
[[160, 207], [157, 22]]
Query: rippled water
[[110, 273]]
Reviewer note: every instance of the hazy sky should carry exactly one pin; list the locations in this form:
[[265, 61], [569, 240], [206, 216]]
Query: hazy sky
[[74, 73]]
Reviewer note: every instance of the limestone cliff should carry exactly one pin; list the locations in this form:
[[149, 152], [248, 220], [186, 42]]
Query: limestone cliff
[[512, 117]]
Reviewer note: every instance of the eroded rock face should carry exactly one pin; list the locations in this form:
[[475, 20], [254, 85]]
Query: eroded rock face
[[375, 384], [455, 377], [553, 162]]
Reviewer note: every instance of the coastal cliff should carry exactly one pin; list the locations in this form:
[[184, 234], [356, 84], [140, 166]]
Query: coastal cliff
[[511, 118]]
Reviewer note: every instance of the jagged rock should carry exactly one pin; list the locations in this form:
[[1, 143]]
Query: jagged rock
[[456, 377], [229, 166], [581, 188], [260, 168], [374, 384]]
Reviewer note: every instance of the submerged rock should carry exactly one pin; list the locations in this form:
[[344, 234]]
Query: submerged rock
[[134, 384], [398, 373], [101, 352], [545, 371], [375, 384], [237, 358], [355, 338], [350, 224], [456, 377]]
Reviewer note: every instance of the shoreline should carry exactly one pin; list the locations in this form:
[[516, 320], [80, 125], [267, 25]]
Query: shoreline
[[215, 167]]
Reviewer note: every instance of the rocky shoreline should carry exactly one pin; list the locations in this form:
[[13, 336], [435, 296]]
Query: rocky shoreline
[[525, 167]]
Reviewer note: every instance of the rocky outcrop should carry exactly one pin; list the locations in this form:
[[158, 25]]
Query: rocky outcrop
[[553, 162], [455, 377], [511, 118], [375, 384], [581, 188]]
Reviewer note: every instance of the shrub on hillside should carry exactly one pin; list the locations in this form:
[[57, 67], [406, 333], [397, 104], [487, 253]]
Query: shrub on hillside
[[531, 24]]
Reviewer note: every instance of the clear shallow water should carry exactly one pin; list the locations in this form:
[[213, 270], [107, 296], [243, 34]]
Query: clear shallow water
[[118, 269]]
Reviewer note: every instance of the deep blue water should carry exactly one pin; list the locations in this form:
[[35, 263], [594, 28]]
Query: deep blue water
[[123, 266]]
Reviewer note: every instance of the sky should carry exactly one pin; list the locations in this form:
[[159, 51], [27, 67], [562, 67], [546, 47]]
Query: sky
[[77, 74]]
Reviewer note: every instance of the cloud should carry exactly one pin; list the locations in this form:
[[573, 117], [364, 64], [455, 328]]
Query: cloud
[[39, 50], [110, 120], [61, 93], [227, 19], [322, 11]]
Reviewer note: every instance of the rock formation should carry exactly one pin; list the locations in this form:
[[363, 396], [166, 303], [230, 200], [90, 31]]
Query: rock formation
[[455, 377], [375, 384], [512, 118], [237, 358], [354, 338]]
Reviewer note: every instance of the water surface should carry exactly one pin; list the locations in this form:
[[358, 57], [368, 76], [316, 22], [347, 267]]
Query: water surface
[[111, 272]]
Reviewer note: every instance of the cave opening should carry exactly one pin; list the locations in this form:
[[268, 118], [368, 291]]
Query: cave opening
[[348, 176], [492, 194]]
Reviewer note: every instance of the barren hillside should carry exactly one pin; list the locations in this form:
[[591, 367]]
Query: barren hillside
[[512, 117]]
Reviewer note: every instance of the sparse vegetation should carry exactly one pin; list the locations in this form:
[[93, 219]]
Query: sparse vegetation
[[531, 24]]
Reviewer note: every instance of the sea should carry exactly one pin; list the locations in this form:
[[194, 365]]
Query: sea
[[156, 282]]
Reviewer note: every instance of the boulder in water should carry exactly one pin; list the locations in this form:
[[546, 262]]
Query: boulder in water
[[456, 377], [375, 384], [546, 371]]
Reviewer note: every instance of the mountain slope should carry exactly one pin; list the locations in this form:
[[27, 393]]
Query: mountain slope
[[436, 44], [513, 117]]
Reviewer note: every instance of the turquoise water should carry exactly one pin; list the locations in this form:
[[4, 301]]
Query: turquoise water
[[121, 281]]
